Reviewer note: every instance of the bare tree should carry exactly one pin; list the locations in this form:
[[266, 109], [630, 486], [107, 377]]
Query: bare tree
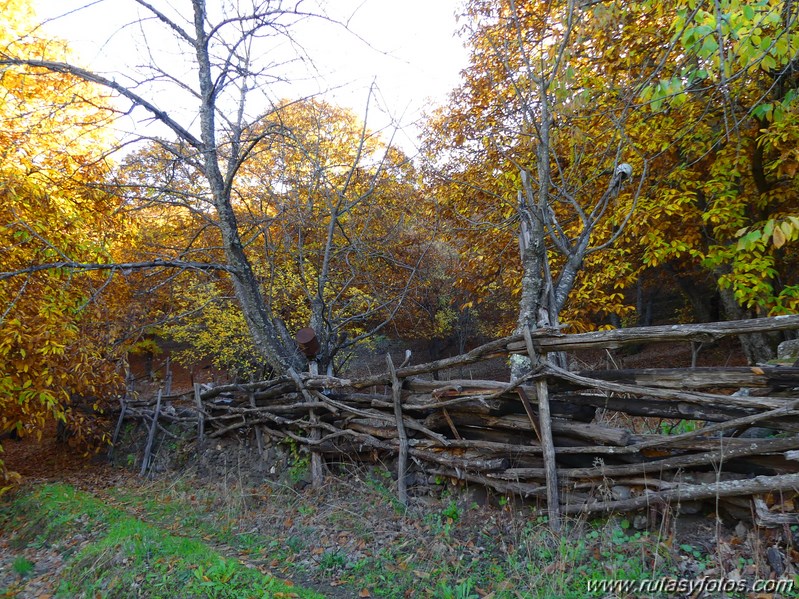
[[232, 52], [527, 52]]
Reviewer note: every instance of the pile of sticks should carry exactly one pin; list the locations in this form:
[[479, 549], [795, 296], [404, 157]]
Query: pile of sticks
[[574, 439]]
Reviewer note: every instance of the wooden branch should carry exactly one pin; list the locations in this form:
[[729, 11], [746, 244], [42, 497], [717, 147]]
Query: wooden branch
[[262, 388], [121, 266], [510, 488], [715, 459], [402, 460], [545, 430], [529, 410], [617, 338], [317, 467], [410, 423], [703, 377], [259, 439], [122, 411], [594, 433], [145, 463], [699, 398], [657, 408], [685, 492], [718, 428]]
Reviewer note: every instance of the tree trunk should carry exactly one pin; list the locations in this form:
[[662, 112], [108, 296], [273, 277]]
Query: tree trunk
[[533, 255], [756, 346], [256, 311]]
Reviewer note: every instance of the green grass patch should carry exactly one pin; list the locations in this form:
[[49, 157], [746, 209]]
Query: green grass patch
[[113, 554], [22, 566]]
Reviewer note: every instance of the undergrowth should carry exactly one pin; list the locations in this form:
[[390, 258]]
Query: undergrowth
[[113, 554], [351, 538]]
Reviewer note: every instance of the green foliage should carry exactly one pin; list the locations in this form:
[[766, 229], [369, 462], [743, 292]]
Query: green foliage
[[216, 329], [22, 566], [123, 552], [669, 427], [464, 589], [299, 462]]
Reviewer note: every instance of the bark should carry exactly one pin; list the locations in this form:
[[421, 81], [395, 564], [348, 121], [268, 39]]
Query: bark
[[757, 485], [248, 292], [756, 346]]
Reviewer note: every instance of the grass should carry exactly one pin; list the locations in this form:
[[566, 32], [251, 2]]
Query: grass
[[111, 553], [349, 535], [22, 566]]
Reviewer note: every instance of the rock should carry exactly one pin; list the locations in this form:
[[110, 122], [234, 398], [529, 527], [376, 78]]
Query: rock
[[640, 522], [758, 432], [691, 507], [788, 350], [620, 492], [741, 530], [775, 560]]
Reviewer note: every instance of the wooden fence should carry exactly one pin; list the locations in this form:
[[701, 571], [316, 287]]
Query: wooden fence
[[582, 442]]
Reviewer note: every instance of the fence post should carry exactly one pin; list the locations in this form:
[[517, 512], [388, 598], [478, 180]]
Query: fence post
[[317, 468], [200, 423], [402, 460], [547, 443], [145, 463]]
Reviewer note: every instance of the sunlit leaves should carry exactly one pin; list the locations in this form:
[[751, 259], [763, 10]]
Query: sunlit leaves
[[773, 231], [57, 331], [329, 219]]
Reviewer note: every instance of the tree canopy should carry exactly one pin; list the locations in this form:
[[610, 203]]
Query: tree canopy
[[696, 97], [595, 155]]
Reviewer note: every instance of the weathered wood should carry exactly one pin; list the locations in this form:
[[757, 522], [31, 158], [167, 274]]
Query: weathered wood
[[685, 492], [402, 459], [123, 408], [145, 463], [718, 458], [701, 378], [551, 340], [460, 463], [454, 387], [452, 426], [370, 426], [485, 431], [409, 422], [709, 399], [479, 353], [545, 430], [529, 411], [168, 376], [675, 440], [618, 338], [594, 433], [511, 488], [260, 387], [259, 439], [656, 408], [487, 447], [317, 467], [768, 519]]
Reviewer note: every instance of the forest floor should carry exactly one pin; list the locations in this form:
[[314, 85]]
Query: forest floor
[[350, 538], [87, 527]]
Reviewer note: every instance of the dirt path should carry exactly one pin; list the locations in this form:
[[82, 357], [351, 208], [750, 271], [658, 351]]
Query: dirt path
[[36, 571], [40, 462]]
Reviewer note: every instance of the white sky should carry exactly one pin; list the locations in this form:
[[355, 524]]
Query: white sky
[[409, 51]]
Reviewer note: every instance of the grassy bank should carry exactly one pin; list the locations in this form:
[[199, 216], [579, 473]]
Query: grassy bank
[[186, 537], [109, 553]]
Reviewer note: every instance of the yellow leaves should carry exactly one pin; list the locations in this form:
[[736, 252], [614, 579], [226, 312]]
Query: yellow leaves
[[55, 327], [779, 237]]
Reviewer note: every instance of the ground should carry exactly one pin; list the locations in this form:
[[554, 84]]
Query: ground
[[351, 537]]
